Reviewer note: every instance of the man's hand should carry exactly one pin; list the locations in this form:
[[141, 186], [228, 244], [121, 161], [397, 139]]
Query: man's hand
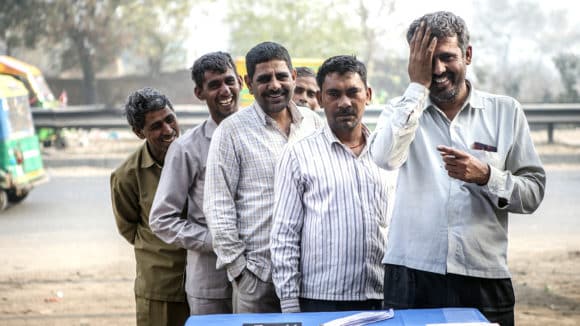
[[421, 56], [463, 166]]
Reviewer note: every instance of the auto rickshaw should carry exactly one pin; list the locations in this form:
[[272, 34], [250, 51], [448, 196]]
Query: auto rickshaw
[[21, 165]]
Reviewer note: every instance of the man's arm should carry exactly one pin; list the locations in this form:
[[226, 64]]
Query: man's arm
[[221, 183], [165, 220], [125, 200], [286, 232], [389, 144], [520, 187]]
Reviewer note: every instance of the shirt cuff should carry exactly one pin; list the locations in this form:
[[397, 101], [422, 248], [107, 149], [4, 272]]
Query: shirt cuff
[[290, 305], [496, 186], [236, 267], [416, 91]]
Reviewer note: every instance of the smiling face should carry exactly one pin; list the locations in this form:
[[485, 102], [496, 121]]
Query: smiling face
[[272, 85], [305, 92], [160, 130], [449, 69], [221, 93], [344, 98]]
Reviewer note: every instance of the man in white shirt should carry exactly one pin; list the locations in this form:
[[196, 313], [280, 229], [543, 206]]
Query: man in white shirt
[[239, 187], [466, 160], [331, 205]]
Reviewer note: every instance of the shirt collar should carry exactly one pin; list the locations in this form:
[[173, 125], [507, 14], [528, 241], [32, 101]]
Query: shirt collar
[[332, 139], [473, 99], [209, 127], [147, 159], [295, 114]]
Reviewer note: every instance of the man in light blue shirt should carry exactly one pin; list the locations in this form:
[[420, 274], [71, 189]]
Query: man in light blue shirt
[[466, 160]]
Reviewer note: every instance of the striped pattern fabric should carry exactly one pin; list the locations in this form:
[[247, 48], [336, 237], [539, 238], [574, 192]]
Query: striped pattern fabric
[[239, 185], [330, 222]]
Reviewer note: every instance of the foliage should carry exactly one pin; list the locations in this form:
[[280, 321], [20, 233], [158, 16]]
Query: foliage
[[306, 28], [568, 65], [155, 30], [16, 27]]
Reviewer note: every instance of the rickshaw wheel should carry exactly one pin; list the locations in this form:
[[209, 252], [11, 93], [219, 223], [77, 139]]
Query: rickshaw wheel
[[3, 200], [14, 198]]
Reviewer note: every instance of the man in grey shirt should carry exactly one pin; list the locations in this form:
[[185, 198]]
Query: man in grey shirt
[[239, 184], [182, 182]]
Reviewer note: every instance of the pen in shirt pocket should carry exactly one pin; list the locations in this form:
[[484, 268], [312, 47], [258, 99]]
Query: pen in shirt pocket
[[484, 147]]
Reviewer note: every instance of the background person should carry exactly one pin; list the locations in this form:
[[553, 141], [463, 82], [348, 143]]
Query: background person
[[208, 290], [306, 89], [159, 292]]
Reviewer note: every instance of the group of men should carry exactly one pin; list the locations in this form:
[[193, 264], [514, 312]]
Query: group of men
[[271, 209]]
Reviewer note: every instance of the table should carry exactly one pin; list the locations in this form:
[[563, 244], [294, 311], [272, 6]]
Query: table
[[410, 317]]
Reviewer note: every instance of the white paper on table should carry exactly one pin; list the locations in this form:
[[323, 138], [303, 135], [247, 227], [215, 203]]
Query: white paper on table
[[361, 318]]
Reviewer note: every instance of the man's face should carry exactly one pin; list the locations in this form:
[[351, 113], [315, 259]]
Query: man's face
[[221, 92], [305, 92], [344, 98], [160, 130], [272, 85], [449, 69]]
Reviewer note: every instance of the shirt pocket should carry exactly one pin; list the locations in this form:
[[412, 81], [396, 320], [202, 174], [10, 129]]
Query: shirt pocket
[[492, 158]]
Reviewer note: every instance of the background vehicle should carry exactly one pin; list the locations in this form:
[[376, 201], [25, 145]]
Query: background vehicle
[[20, 157], [246, 98], [39, 93]]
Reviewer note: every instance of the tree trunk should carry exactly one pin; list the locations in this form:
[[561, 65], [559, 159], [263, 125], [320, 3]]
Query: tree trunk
[[89, 81]]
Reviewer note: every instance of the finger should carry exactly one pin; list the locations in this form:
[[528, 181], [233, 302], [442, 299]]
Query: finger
[[452, 151], [426, 40]]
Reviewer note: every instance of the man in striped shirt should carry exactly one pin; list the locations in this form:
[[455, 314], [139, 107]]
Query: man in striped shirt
[[239, 185], [331, 205]]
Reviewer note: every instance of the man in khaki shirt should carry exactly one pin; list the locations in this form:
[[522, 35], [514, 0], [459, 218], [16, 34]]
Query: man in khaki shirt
[[159, 284]]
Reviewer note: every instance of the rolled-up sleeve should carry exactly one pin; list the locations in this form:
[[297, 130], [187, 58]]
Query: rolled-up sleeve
[[520, 187], [396, 127]]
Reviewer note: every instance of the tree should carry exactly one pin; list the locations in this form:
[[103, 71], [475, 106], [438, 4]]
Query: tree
[[306, 28], [160, 28], [17, 29], [568, 65]]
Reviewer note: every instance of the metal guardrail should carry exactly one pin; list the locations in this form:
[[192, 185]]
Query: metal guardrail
[[99, 116]]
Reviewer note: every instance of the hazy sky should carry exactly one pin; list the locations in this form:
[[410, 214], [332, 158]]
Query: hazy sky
[[211, 34]]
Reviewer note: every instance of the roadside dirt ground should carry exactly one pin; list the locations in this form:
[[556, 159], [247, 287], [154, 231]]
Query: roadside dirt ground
[[99, 291]]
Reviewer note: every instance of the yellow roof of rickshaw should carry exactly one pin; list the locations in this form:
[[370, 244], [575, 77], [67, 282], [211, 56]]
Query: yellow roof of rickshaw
[[11, 87], [13, 66]]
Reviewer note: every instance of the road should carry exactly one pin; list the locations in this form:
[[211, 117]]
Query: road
[[62, 238]]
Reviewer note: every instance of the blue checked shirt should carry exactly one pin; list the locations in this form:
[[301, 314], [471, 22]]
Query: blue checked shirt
[[239, 186], [441, 224], [330, 222]]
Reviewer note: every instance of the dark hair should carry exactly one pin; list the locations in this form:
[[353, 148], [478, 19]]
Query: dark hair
[[264, 52], [142, 101], [443, 24], [304, 72], [341, 64], [215, 61]]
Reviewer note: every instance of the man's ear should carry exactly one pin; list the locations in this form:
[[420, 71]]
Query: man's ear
[[198, 93], [248, 84], [468, 54], [139, 133], [319, 97], [369, 95]]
